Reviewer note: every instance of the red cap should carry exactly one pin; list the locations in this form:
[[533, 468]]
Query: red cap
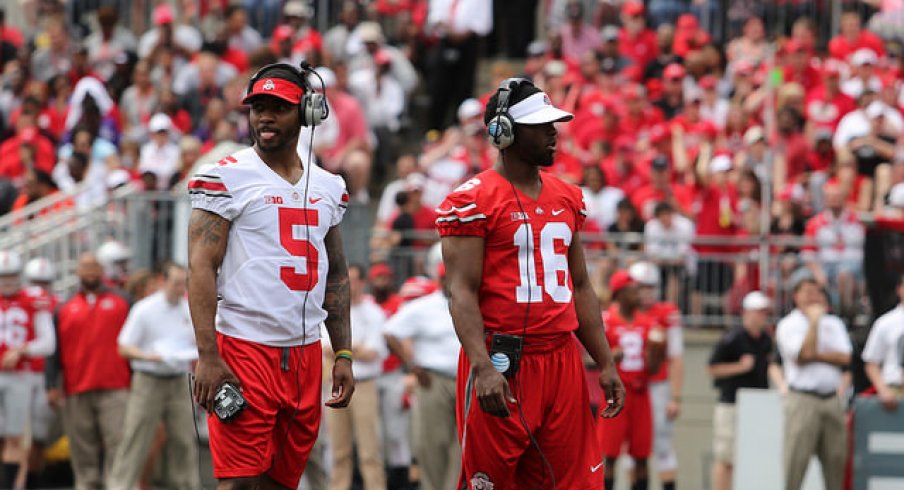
[[673, 71], [632, 8], [283, 32], [688, 21], [416, 287], [276, 87], [708, 82], [381, 57], [659, 133], [379, 269], [619, 281], [163, 14]]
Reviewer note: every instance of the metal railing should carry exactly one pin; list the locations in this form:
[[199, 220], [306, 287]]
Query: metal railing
[[707, 286]]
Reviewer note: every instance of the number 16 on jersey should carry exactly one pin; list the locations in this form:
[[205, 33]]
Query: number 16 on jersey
[[553, 260]]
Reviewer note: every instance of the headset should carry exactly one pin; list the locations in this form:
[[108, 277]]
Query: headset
[[312, 109], [501, 129]]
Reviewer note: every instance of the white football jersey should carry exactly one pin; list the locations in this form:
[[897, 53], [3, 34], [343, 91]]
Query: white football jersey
[[272, 281]]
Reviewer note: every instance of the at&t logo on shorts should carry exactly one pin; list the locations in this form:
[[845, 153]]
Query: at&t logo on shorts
[[480, 481]]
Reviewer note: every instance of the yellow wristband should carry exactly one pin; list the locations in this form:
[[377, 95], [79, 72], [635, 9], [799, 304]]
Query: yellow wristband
[[346, 353]]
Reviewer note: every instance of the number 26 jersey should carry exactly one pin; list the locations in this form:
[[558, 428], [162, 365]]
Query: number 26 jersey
[[276, 253], [526, 273]]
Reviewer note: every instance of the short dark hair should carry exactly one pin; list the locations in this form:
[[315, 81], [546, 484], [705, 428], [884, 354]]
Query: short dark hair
[[520, 91], [44, 178], [803, 282], [662, 207]]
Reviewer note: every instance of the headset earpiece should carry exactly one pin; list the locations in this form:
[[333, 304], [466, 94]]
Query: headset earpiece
[[312, 109], [501, 129]]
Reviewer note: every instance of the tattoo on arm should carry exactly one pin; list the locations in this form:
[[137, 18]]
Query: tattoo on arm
[[337, 300], [206, 227]]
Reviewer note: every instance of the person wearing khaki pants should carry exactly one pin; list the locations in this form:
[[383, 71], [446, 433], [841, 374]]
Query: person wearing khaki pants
[[358, 426], [423, 336], [814, 346], [93, 420]]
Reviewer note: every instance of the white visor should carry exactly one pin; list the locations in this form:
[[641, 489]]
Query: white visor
[[538, 109]]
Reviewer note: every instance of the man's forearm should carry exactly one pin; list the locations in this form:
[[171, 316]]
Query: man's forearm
[[202, 303], [808, 352], [676, 376], [726, 370], [337, 303], [590, 326], [465, 311], [840, 359], [874, 373]]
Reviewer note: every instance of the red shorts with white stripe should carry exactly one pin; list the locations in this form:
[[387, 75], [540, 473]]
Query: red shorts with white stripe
[[497, 453], [275, 433], [633, 426]]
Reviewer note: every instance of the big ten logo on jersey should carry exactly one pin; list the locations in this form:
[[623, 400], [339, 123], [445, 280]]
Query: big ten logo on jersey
[[14, 323], [273, 200], [468, 185], [555, 238]]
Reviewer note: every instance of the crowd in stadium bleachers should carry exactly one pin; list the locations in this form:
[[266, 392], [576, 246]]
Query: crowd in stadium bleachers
[[699, 134]]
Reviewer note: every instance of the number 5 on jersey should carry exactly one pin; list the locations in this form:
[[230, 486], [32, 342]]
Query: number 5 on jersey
[[555, 264], [292, 222]]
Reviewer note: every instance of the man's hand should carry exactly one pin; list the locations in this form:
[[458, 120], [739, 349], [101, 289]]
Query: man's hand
[[343, 384], [815, 312], [889, 400], [746, 363], [422, 375], [56, 398], [11, 358], [493, 392], [617, 355], [614, 391], [673, 409], [210, 373]]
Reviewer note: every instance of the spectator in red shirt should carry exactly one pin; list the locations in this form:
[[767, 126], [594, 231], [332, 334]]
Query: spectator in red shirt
[[857, 187], [635, 41], [661, 189], [696, 129], [798, 67], [826, 104], [853, 37], [622, 169], [715, 220], [37, 185], [793, 150], [42, 155], [689, 36], [638, 115]]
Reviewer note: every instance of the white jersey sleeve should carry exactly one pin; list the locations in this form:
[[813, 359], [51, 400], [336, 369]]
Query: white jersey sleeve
[[272, 281]]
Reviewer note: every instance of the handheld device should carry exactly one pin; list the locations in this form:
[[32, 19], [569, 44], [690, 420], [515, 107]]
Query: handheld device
[[228, 402], [505, 353]]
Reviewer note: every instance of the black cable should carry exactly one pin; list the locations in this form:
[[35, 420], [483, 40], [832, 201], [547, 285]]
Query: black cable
[[529, 239], [194, 419]]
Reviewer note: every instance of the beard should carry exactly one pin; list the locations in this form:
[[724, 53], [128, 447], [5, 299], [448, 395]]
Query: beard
[[92, 284], [279, 142]]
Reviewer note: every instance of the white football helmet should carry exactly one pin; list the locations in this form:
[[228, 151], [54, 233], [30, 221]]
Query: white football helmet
[[10, 269], [39, 269], [113, 257], [645, 273]]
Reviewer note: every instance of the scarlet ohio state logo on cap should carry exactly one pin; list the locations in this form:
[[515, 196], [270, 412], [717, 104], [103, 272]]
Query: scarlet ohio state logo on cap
[[269, 85]]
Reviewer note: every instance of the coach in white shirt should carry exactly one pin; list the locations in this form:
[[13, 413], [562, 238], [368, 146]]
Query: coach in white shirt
[[814, 346], [882, 352], [432, 356], [159, 342], [358, 427]]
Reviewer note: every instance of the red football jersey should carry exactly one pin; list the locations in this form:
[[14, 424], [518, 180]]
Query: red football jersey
[[51, 301], [631, 338], [17, 323], [526, 250], [666, 316]]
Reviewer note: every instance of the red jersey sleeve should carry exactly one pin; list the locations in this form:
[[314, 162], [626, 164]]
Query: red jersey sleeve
[[461, 213], [580, 208]]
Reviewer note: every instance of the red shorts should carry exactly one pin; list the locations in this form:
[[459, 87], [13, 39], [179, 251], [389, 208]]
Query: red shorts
[[555, 404], [265, 438], [634, 425]]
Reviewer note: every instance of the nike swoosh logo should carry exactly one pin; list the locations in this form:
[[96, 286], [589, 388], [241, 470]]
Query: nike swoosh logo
[[556, 212], [594, 469], [315, 200]]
